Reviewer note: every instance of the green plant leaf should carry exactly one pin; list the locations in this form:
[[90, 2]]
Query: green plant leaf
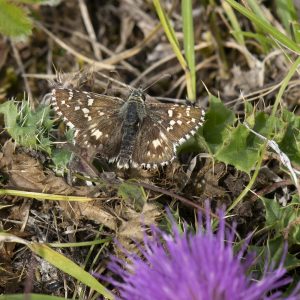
[[273, 212], [283, 219], [133, 195], [14, 22], [237, 152], [22, 135], [290, 143], [61, 159], [273, 251], [218, 117]]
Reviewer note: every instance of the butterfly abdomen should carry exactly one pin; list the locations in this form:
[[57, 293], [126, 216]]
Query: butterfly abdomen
[[129, 133]]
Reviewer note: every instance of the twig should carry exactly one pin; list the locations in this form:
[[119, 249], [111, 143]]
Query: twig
[[270, 188], [173, 195], [22, 70], [103, 49], [99, 65], [89, 28]]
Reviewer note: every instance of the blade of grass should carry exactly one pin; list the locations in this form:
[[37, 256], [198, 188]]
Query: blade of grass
[[61, 262], [266, 27], [189, 45], [79, 244], [287, 13], [236, 29], [256, 8], [44, 196], [30, 296], [170, 33]]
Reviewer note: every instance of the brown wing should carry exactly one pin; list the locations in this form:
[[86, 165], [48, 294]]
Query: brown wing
[[153, 145], [94, 117], [163, 130], [103, 135], [79, 109], [180, 121]]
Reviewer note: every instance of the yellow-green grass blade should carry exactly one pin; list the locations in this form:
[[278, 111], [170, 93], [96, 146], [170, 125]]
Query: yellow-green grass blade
[[236, 29], [61, 262], [189, 46], [44, 196], [30, 297], [266, 27]]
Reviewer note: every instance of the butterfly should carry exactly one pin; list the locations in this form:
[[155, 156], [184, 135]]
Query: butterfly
[[132, 132]]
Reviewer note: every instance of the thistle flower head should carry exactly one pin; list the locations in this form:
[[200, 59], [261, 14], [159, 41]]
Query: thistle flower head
[[202, 266]]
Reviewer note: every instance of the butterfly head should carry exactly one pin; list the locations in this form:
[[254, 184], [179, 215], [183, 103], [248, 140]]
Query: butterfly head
[[137, 95]]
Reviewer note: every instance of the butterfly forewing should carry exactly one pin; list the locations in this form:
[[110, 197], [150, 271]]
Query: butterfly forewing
[[79, 109], [95, 118]]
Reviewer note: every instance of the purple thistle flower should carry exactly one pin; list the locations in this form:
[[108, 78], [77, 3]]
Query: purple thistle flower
[[202, 266]]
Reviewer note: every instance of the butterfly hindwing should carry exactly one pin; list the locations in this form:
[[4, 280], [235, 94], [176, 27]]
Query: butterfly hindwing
[[153, 145], [100, 136]]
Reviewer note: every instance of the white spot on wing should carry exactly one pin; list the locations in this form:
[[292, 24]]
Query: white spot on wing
[[76, 133], [156, 143], [181, 141], [70, 95], [170, 113], [97, 133], [134, 165], [163, 136], [71, 125]]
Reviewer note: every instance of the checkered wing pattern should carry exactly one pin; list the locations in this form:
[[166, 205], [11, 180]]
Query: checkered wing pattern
[[163, 130], [95, 118], [133, 132]]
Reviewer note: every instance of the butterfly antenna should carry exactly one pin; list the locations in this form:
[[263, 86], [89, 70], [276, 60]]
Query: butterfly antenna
[[156, 81], [115, 81]]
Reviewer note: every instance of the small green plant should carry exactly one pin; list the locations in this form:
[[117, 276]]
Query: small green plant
[[14, 17], [31, 129]]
